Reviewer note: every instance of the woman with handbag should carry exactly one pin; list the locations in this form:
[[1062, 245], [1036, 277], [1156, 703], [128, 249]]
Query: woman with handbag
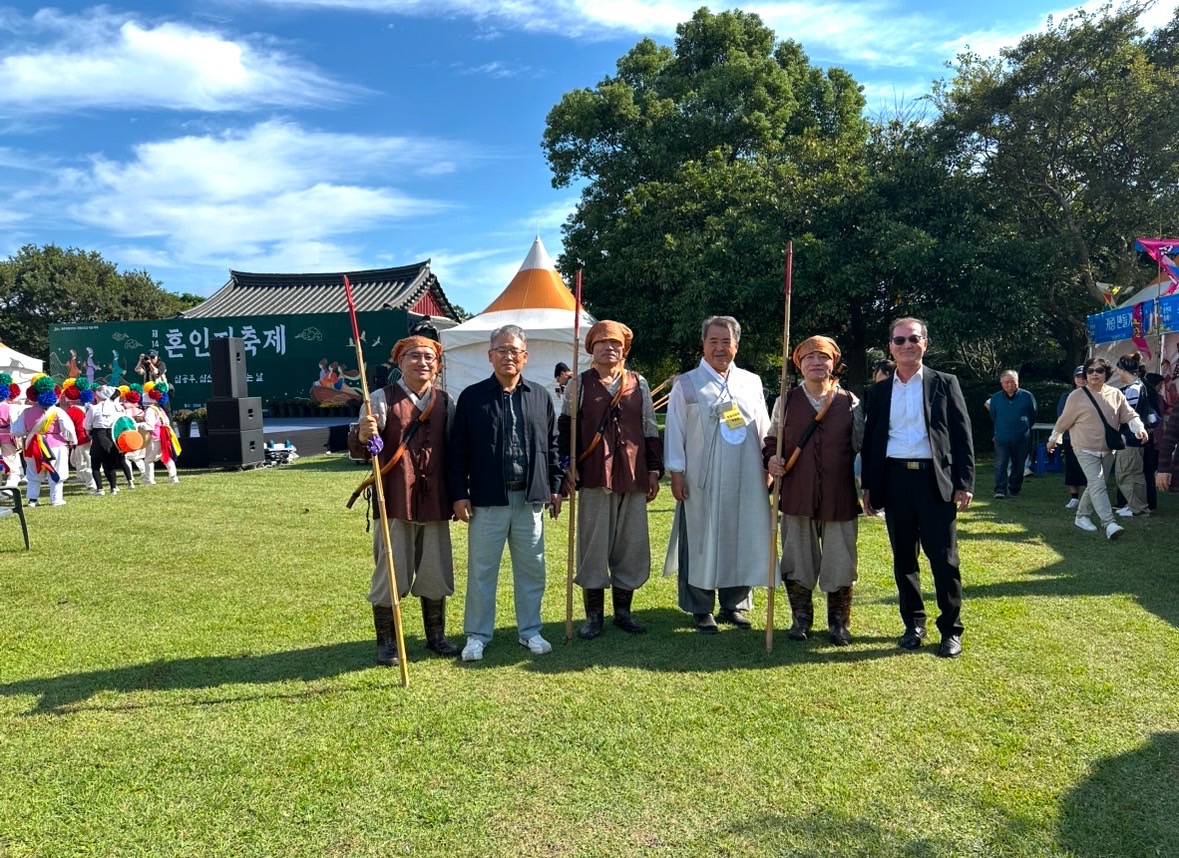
[[1092, 416]]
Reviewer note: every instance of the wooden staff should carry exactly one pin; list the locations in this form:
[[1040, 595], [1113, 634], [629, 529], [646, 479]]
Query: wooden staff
[[665, 383], [403, 661], [571, 557], [772, 578]]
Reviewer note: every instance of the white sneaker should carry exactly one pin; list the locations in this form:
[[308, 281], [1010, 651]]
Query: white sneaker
[[31, 503], [149, 482], [1072, 504], [173, 479], [473, 651], [1124, 512], [1083, 522], [98, 493], [537, 645], [114, 490], [1113, 530], [57, 503]]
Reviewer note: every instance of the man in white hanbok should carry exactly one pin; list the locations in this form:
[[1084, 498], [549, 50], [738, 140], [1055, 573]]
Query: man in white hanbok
[[716, 418]]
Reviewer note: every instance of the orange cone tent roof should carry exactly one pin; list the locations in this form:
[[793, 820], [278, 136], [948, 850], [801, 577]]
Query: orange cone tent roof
[[537, 285], [539, 303]]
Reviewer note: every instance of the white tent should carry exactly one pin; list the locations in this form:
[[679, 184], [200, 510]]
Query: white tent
[[21, 367], [538, 301]]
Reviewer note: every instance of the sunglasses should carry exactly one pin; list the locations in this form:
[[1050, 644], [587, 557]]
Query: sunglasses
[[1094, 370], [912, 338]]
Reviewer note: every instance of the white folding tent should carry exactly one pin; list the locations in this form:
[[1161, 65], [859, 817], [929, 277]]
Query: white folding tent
[[21, 367]]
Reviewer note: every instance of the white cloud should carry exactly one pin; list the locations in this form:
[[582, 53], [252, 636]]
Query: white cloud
[[53, 62], [273, 192]]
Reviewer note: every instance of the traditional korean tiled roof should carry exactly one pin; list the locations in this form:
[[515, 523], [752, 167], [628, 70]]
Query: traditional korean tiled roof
[[410, 287]]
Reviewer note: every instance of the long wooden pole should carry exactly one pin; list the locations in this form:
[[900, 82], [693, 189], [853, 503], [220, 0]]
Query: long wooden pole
[[772, 577], [402, 659], [571, 557]]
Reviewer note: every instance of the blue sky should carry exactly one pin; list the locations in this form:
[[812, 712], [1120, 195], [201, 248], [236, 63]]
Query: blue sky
[[193, 137]]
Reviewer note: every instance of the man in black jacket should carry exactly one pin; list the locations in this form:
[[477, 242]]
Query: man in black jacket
[[504, 469], [918, 466]]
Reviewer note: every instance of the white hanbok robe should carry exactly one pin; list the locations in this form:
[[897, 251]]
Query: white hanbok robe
[[727, 510]]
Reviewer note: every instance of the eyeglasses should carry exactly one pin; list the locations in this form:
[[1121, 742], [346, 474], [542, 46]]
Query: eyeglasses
[[514, 354], [422, 357], [912, 338], [1094, 370]]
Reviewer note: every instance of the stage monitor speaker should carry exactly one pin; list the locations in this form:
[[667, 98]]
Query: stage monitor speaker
[[234, 415], [236, 449], [228, 355]]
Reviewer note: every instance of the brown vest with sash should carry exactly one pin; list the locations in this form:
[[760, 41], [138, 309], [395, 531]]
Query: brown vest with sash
[[821, 485], [415, 490], [619, 461]]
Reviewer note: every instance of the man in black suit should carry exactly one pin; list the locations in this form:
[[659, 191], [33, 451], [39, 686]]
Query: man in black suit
[[918, 465]]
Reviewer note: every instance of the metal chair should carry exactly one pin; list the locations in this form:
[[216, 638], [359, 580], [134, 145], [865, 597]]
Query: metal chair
[[19, 509]]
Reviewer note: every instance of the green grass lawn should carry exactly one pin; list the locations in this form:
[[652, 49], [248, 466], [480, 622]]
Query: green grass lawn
[[188, 670]]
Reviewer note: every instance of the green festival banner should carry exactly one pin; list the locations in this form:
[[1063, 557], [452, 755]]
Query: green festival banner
[[305, 357]]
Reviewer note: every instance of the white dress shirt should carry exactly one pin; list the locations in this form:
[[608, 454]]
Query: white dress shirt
[[908, 437]]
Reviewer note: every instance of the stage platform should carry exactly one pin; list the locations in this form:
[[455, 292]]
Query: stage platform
[[309, 435]]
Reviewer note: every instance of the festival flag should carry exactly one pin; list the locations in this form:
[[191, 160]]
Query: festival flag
[[1137, 335], [1160, 250]]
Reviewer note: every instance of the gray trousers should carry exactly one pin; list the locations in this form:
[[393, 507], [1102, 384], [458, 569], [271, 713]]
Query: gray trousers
[[819, 552], [421, 556], [613, 544], [1096, 496]]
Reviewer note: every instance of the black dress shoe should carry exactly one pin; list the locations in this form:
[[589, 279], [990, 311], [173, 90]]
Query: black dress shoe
[[912, 638], [705, 624], [951, 647], [735, 618]]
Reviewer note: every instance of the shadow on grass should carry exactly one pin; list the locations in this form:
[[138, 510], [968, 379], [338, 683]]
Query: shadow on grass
[[58, 695], [1089, 565], [1128, 806], [671, 645]]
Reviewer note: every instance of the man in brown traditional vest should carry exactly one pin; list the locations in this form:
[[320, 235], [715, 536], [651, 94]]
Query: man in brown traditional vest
[[412, 418], [619, 463], [824, 424]]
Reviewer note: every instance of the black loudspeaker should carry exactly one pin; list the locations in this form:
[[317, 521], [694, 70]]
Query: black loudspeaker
[[228, 355], [235, 415], [236, 449]]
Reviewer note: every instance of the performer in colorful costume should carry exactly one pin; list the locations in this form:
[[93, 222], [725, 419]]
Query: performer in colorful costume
[[101, 418], [162, 444], [75, 397], [49, 433], [409, 425], [10, 410]]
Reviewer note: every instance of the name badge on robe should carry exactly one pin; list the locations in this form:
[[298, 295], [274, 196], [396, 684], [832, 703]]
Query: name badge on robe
[[732, 425]]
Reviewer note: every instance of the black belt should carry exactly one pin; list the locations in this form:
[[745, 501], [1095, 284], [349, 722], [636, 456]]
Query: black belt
[[517, 486], [911, 464]]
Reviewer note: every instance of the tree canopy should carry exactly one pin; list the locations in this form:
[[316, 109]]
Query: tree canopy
[[993, 219], [40, 286]]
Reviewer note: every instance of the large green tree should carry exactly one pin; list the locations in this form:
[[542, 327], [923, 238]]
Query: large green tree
[[40, 286], [1074, 130], [698, 163]]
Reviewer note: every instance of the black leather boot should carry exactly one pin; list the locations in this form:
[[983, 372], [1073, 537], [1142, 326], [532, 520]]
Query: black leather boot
[[386, 636], [595, 612], [802, 611], [434, 620], [839, 616], [622, 615]]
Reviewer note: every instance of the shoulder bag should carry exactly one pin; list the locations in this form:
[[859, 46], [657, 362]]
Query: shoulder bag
[[1113, 438]]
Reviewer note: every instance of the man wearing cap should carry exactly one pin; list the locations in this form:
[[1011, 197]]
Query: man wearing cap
[[408, 430], [151, 367], [619, 460], [824, 426], [918, 465], [561, 375], [504, 469], [716, 420]]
